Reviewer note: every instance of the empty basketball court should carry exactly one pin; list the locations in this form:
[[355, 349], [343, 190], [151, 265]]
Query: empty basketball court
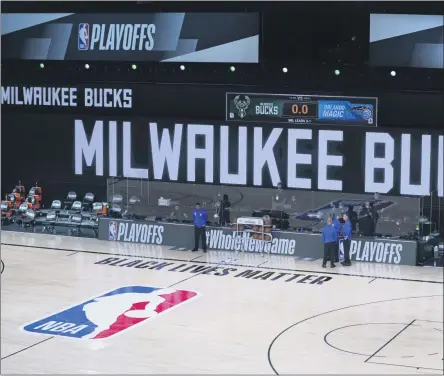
[[245, 313]]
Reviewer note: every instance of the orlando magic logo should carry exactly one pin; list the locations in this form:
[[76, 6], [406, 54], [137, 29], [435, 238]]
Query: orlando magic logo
[[365, 112], [83, 37]]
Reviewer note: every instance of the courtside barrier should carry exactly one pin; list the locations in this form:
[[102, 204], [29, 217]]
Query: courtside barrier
[[292, 244]]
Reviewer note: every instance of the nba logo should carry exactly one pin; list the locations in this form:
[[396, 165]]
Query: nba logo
[[112, 233], [111, 313], [83, 37]]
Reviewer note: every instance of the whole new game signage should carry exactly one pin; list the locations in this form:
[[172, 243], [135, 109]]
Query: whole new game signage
[[232, 241], [284, 243]]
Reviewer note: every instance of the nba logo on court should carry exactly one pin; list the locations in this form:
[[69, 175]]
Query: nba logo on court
[[111, 313], [112, 233], [83, 37]]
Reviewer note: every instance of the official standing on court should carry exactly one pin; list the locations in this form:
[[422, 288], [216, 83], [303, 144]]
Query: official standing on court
[[330, 238], [200, 217], [224, 211], [347, 234]]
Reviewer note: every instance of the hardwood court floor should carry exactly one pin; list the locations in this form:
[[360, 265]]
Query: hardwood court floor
[[254, 314]]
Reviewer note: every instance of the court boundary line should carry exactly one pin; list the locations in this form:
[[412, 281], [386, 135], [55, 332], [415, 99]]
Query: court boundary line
[[216, 263], [331, 311], [26, 348]]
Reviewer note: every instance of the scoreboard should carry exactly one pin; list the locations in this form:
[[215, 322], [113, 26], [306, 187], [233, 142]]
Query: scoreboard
[[301, 109]]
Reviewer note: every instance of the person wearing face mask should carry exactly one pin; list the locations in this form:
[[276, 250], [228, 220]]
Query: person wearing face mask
[[224, 213], [347, 234], [375, 217], [329, 238], [200, 217]]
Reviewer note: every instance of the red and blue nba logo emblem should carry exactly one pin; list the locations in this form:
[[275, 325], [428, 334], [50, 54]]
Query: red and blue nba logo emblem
[[112, 230], [112, 313], [83, 37]]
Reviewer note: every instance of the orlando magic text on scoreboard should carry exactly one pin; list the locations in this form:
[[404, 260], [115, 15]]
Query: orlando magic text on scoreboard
[[116, 37], [67, 97], [305, 109]]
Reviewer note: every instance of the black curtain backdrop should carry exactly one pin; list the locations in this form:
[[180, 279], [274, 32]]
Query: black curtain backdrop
[[207, 102]]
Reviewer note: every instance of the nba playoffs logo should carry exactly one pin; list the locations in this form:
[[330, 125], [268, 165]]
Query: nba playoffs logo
[[111, 313], [112, 233], [83, 37]]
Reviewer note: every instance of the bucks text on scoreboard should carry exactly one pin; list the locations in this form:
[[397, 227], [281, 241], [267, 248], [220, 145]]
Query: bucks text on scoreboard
[[304, 109]]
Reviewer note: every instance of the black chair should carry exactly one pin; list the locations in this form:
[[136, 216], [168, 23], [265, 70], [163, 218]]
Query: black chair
[[70, 198], [115, 211], [56, 206], [50, 222], [21, 214], [75, 223], [52, 217], [28, 219], [88, 201]]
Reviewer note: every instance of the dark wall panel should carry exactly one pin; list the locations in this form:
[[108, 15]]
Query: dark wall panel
[[207, 102], [54, 154]]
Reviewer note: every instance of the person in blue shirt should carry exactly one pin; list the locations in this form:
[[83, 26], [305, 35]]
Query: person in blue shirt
[[329, 238], [347, 235], [200, 217]]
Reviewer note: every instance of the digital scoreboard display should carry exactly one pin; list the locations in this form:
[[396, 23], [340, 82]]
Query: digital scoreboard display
[[301, 109]]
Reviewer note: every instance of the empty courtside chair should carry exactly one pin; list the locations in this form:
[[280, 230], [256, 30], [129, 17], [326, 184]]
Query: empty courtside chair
[[50, 221], [76, 207], [115, 210], [51, 216], [117, 199], [29, 218], [88, 201], [21, 213], [75, 223], [56, 206], [70, 198], [31, 202], [22, 208]]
